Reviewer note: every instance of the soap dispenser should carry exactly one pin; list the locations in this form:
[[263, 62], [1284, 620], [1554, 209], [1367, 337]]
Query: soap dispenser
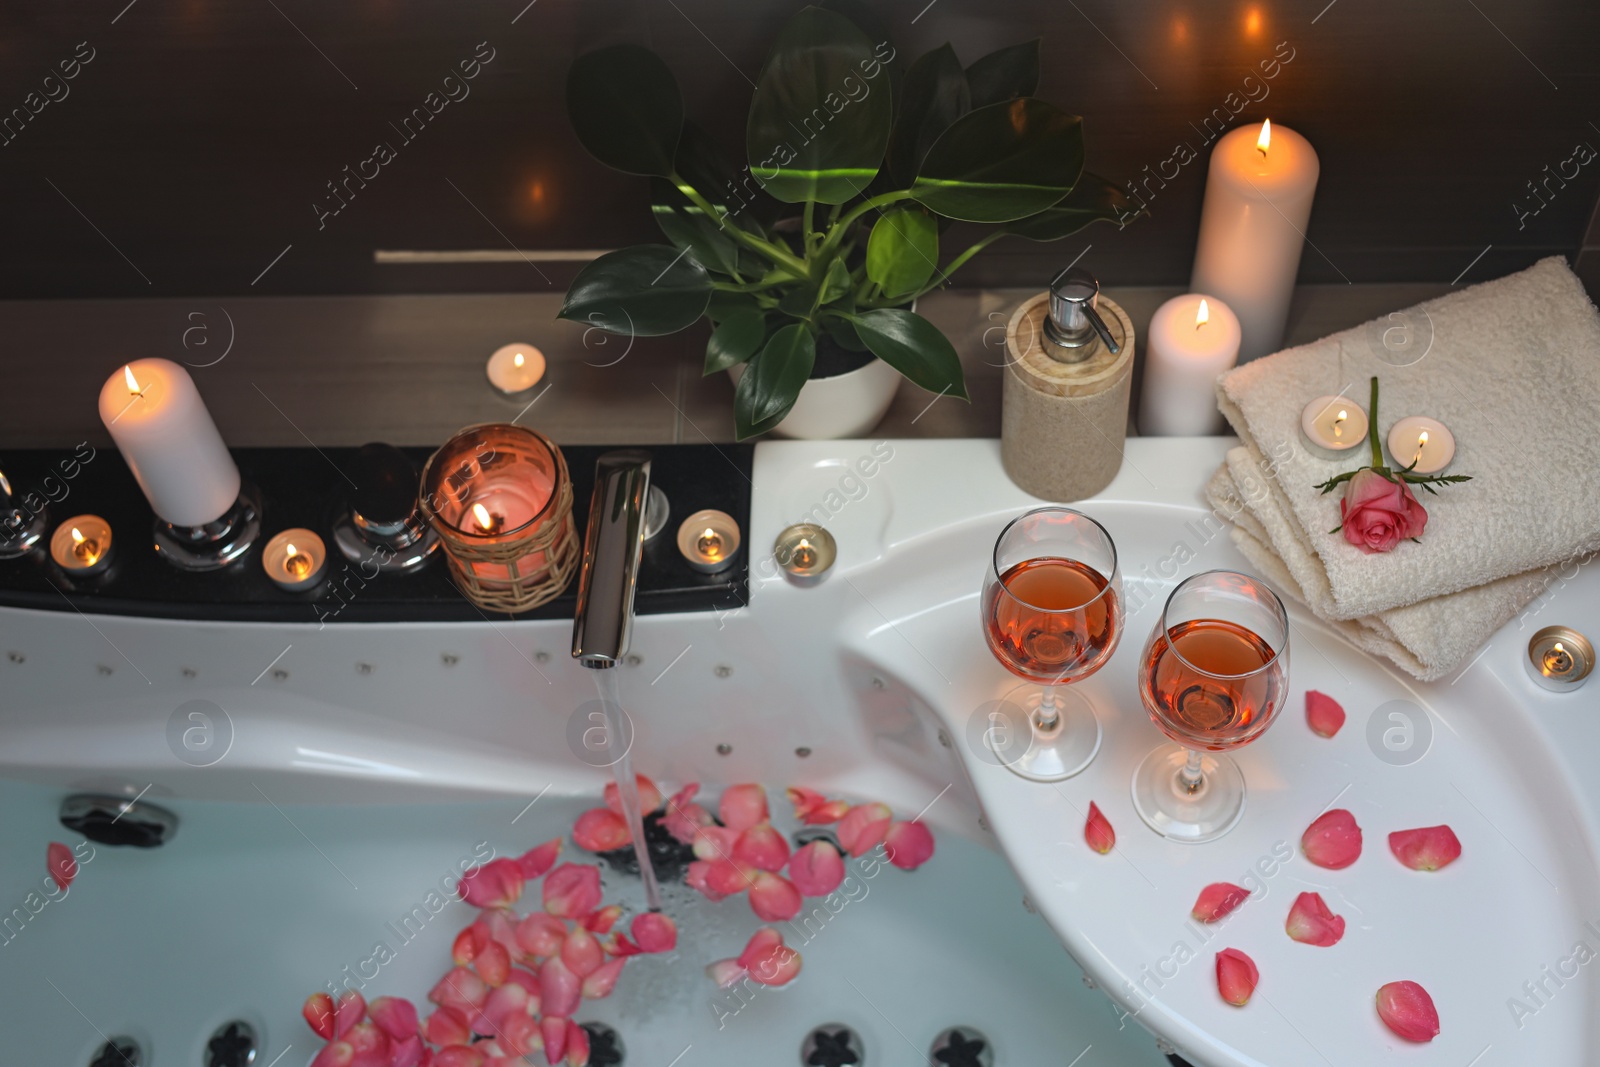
[[1064, 403]]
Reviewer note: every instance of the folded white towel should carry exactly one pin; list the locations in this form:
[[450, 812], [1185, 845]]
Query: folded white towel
[[1428, 639], [1513, 369]]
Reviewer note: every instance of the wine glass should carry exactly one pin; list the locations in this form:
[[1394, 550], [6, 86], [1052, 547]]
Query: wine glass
[[1213, 675], [1052, 613]]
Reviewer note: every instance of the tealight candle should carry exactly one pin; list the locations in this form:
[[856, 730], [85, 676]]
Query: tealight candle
[[805, 552], [295, 559], [82, 545], [1259, 188], [1559, 658], [515, 369], [1333, 425], [1191, 340], [1425, 445], [708, 540]]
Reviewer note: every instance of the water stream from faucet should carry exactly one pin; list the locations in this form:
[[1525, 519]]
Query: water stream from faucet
[[618, 745]]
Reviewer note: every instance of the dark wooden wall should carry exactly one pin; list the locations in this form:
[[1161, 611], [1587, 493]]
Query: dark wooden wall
[[189, 152]]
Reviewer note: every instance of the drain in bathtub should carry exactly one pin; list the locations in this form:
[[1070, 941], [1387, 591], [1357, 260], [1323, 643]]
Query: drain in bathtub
[[961, 1046], [605, 1045], [669, 856], [232, 1045], [832, 1045], [119, 1052]]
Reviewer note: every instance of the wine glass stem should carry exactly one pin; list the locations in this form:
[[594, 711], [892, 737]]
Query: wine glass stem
[[1189, 777], [1048, 715]]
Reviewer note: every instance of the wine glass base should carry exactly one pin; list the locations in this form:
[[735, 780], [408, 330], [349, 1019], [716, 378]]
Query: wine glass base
[[1055, 754], [1179, 815]]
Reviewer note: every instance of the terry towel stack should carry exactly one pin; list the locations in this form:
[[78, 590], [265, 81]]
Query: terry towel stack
[[1513, 369]]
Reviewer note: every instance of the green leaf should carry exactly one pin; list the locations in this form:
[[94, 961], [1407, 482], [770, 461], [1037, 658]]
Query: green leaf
[[626, 109], [773, 379], [932, 97], [1005, 74], [818, 123], [836, 283], [843, 333], [1093, 199], [725, 305], [643, 291], [687, 227], [1002, 162], [703, 165], [903, 250], [735, 340], [913, 346]]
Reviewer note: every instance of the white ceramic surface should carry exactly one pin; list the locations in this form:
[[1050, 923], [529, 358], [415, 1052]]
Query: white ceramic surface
[[878, 672], [846, 405]]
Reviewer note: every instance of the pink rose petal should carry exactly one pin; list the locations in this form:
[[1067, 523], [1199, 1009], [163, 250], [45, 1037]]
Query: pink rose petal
[[768, 960], [1217, 900], [510, 999], [1236, 976], [1311, 923], [743, 806], [572, 890], [318, 1012], [540, 935], [465, 946], [600, 830], [762, 847], [1427, 848], [518, 1036], [863, 828], [559, 989], [406, 1052], [447, 1026], [458, 1056], [601, 922], [1333, 841], [1097, 831], [395, 1016], [773, 897], [683, 817], [460, 989], [555, 1037], [816, 869], [1323, 713], [338, 1054], [577, 1045], [348, 1011], [369, 1046], [649, 796], [714, 842], [655, 932], [493, 964], [582, 953], [814, 809], [726, 973], [600, 983], [1406, 1008], [909, 845], [496, 884], [536, 862], [59, 863]]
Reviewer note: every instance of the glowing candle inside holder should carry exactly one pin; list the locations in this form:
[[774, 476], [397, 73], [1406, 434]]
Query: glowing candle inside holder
[[708, 540], [295, 559], [1560, 659], [82, 545], [805, 552], [1332, 426], [1422, 441]]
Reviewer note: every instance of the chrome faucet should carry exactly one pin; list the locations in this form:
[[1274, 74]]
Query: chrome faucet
[[610, 567]]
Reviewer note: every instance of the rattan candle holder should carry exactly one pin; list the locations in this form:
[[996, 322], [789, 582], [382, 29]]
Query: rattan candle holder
[[501, 499]]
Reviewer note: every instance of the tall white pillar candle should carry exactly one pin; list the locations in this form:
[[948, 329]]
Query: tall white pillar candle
[[1191, 339], [1258, 201], [165, 433]]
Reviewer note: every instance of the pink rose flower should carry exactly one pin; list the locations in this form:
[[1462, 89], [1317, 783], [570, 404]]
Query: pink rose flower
[[1378, 513]]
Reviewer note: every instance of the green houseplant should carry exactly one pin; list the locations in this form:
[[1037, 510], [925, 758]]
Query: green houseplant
[[832, 229]]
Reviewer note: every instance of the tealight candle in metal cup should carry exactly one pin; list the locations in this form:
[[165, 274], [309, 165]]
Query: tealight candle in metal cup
[[82, 545], [805, 552], [295, 559], [708, 540], [1560, 659]]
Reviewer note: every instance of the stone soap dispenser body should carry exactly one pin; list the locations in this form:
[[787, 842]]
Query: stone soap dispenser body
[[1064, 403]]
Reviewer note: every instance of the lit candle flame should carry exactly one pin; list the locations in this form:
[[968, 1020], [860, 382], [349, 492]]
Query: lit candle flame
[[1202, 316], [77, 537], [1265, 139], [516, 360], [710, 544], [1422, 443], [5, 486], [133, 383], [1338, 423], [481, 513]]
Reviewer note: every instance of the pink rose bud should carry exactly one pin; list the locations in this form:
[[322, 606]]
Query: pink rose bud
[[1333, 841], [1217, 900], [1378, 513], [1236, 976], [1323, 713], [1311, 923], [1406, 1008], [1426, 849]]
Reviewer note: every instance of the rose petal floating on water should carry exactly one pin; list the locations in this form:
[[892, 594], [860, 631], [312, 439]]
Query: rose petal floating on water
[[603, 980], [714, 842], [1427, 848], [683, 817], [1236, 976], [447, 1026], [458, 1056], [406, 1052], [1333, 841], [1406, 1008], [536, 862], [582, 953], [540, 935], [909, 845], [743, 806], [318, 1012], [1311, 923], [1217, 900], [369, 1046], [554, 1028], [600, 830], [577, 1045], [59, 863], [559, 989], [765, 959], [338, 1054], [773, 897], [655, 932], [460, 989], [496, 884], [1097, 830], [649, 796], [761, 847], [814, 809], [863, 828], [601, 921], [348, 1011], [493, 964], [816, 869], [572, 890], [395, 1016], [1323, 713]]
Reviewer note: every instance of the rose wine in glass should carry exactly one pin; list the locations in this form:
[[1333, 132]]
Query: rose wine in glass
[[1051, 615], [1213, 676]]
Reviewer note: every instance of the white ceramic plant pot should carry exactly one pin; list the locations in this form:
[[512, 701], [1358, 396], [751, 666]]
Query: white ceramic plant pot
[[846, 405]]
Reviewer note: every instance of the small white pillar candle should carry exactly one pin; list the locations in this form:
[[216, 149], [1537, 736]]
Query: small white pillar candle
[[1191, 339], [1258, 201], [515, 369], [1426, 442], [1333, 425], [165, 433]]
